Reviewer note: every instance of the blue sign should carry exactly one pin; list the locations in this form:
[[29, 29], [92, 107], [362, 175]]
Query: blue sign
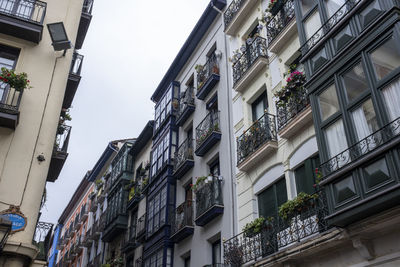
[[18, 221]]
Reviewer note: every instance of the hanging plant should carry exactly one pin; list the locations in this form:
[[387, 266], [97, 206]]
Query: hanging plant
[[301, 202], [17, 81], [294, 85]]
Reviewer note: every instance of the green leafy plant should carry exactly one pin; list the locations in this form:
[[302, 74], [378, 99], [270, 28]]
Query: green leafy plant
[[17, 81], [199, 181], [99, 183], [255, 227], [294, 86], [300, 202]]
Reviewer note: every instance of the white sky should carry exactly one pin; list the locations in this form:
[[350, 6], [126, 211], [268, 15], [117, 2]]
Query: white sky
[[128, 49]]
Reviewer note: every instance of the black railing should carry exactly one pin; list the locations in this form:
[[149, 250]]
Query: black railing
[[262, 131], [62, 138], [76, 64], [293, 106], [187, 99], [30, 10], [277, 234], [141, 225], [256, 49], [184, 152], [42, 239], [139, 262], [328, 25], [362, 147], [87, 6], [208, 195], [211, 67], [232, 10], [205, 128], [9, 99], [277, 23], [183, 216]]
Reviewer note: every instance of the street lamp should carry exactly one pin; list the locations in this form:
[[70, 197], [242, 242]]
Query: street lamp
[[5, 229], [59, 36]]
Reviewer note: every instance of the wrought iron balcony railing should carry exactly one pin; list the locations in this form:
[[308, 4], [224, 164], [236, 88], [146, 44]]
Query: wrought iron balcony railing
[[262, 131], [361, 148], [139, 262], [62, 139], [277, 23], [187, 99], [183, 216], [141, 226], [87, 6], [76, 64], [42, 239], [291, 108], [277, 234], [208, 195], [184, 152], [32, 11], [9, 99], [211, 67], [232, 10], [256, 49], [340, 14], [208, 125]]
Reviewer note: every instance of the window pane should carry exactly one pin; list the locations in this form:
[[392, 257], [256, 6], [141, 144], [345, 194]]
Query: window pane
[[328, 102], [306, 5], [376, 173], [266, 203], [335, 138], [281, 193], [312, 24], [386, 58], [391, 94], [364, 119], [344, 189], [355, 82], [332, 6]]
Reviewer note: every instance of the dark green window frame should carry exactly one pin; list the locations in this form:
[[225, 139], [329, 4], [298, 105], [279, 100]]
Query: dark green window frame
[[305, 175], [271, 194]]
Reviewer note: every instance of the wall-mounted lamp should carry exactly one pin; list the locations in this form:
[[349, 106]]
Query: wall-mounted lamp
[[59, 36], [5, 229]]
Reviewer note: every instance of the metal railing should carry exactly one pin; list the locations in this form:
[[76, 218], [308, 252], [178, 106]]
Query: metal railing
[[32, 11], [211, 67], [277, 23], [262, 131], [141, 225], [362, 147], [208, 125], [183, 153], [62, 138], [277, 234], [187, 99], [293, 106], [183, 216], [232, 10], [256, 49], [328, 25], [208, 195], [139, 262], [76, 64], [10, 98], [42, 239], [87, 6]]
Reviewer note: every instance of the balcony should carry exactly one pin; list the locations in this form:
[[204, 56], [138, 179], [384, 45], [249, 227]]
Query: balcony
[[281, 27], [183, 160], [295, 114], [209, 202], [305, 225], [256, 143], [10, 100], [186, 106], [250, 63], [114, 227], [182, 225], [141, 228], [129, 241], [84, 23], [23, 19], [207, 77], [74, 78], [208, 133], [60, 153], [42, 238], [237, 12], [362, 179], [84, 213], [93, 206]]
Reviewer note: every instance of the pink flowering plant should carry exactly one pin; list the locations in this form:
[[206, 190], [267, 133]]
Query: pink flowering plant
[[294, 85], [17, 81]]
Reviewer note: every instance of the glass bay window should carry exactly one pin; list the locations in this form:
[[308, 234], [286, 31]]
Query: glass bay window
[[163, 151], [168, 105]]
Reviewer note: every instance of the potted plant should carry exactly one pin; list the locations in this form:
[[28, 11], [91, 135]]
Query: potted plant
[[274, 6], [301, 202], [215, 69], [17, 81]]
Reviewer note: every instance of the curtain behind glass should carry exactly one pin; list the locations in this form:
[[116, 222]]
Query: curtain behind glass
[[391, 94]]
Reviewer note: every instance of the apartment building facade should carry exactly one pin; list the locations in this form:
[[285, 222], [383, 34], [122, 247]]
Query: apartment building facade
[[321, 170], [34, 133]]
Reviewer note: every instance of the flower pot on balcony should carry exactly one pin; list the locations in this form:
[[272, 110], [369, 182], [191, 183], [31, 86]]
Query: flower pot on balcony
[[215, 70], [276, 7]]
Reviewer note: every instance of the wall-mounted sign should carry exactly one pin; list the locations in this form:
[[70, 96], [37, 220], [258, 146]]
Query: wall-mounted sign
[[16, 217]]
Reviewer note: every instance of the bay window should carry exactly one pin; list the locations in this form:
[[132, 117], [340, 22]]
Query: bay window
[[167, 105]]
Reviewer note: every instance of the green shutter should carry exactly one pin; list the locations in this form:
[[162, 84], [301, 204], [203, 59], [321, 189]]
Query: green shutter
[[266, 203], [281, 192]]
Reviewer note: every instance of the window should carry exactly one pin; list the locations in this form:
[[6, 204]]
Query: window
[[259, 106], [214, 169], [132, 227], [355, 82], [328, 102], [272, 198], [123, 162], [335, 138], [364, 120], [164, 106], [187, 262], [161, 153], [332, 6], [155, 260], [312, 24], [156, 211], [386, 58], [306, 6], [391, 95], [8, 59], [216, 252], [305, 175]]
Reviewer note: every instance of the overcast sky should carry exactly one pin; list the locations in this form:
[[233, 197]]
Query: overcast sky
[[128, 49]]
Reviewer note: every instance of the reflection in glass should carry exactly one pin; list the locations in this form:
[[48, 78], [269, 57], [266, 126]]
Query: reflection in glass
[[335, 138], [312, 24], [306, 5], [355, 82], [386, 58], [364, 119], [332, 6], [376, 173], [328, 102]]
